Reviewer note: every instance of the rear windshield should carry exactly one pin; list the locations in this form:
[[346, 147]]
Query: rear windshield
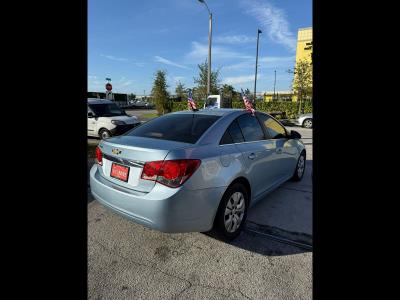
[[186, 128]]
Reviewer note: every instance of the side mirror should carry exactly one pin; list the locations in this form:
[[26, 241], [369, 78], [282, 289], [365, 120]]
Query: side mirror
[[90, 115], [295, 135]]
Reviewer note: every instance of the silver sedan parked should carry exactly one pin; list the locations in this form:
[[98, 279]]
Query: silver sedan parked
[[196, 171], [304, 120]]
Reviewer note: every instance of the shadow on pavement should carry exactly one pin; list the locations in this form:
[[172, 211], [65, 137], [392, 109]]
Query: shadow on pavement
[[285, 213]]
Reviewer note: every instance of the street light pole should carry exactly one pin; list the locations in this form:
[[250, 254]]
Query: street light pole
[[209, 47], [255, 77], [274, 84]]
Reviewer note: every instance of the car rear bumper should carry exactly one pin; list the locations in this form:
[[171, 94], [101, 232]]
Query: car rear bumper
[[164, 209]]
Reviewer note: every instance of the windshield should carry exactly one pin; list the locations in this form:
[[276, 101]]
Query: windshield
[[106, 110], [186, 128], [211, 102]]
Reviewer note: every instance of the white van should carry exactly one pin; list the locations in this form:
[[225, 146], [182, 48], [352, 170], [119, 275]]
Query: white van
[[213, 101], [106, 119]]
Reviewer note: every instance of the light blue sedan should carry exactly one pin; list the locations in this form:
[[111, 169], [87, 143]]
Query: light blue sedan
[[196, 171]]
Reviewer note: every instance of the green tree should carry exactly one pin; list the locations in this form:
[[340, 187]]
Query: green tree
[[159, 93], [302, 81], [228, 91], [180, 91], [200, 91], [132, 96]]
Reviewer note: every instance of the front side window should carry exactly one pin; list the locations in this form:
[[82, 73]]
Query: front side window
[[250, 127], [273, 128]]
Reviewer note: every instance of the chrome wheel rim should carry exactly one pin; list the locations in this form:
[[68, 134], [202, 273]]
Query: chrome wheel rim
[[234, 212], [300, 166], [308, 123]]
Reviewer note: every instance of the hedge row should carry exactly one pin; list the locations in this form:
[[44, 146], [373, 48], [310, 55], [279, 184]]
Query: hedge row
[[290, 108]]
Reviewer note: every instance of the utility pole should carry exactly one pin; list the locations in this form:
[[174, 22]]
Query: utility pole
[[255, 77]]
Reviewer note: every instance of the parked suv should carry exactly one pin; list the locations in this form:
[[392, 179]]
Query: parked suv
[[106, 119]]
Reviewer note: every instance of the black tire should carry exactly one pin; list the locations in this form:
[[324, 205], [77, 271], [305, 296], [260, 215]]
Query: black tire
[[104, 134], [296, 176], [219, 228], [307, 123]]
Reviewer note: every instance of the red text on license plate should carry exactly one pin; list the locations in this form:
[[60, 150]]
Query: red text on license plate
[[119, 172]]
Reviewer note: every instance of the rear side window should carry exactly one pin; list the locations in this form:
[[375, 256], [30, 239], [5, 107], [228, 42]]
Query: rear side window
[[226, 138], [250, 127], [274, 129], [185, 128], [232, 135]]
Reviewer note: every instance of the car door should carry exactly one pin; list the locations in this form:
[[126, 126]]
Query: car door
[[286, 153], [258, 153], [91, 125]]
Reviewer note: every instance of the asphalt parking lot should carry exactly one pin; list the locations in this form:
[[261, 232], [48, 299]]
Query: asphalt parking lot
[[271, 259]]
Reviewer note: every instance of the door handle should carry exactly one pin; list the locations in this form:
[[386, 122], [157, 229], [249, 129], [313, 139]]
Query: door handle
[[252, 156], [279, 150]]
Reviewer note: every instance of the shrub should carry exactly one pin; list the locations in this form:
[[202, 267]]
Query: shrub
[[290, 108]]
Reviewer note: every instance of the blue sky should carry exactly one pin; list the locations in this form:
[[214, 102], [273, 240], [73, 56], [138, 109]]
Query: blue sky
[[129, 40]]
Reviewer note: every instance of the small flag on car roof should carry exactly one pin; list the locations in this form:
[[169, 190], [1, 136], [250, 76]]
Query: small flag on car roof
[[191, 103], [247, 103]]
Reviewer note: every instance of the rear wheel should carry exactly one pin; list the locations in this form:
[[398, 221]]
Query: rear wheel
[[307, 123], [232, 212], [104, 134]]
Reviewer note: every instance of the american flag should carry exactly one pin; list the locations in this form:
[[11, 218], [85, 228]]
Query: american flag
[[191, 103], [247, 103]]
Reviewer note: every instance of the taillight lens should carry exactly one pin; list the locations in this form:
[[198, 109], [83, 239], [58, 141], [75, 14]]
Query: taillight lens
[[99, 156], [172, 173], [151, 169]]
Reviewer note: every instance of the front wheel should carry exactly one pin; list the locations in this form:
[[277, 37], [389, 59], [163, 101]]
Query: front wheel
[[300, 167], [232, 212]]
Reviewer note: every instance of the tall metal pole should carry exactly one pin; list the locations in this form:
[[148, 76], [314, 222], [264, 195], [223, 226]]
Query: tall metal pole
[[274, 84], [209, 57], [209, 47], [255, 78]]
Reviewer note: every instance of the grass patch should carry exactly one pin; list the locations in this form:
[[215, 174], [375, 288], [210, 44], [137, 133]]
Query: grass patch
[[149, 115]]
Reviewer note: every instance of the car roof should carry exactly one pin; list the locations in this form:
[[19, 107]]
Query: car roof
[[213, 112], [98, 101]]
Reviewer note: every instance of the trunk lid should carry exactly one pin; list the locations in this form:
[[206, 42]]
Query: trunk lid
[[133, 152]]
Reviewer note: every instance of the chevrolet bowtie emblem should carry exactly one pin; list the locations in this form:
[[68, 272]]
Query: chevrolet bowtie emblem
[[116, 151]]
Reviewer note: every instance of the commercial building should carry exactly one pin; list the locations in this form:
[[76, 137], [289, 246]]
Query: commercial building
[[304, 49], [278, 96], [304, 45]]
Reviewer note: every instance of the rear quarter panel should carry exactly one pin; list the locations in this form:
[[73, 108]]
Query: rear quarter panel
[[219, 165]]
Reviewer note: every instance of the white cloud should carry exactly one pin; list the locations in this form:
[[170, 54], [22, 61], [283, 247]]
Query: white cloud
[[263, 62], [273, 21], [139, 64], [168, 62], [125, 83], [113, 57], [240, 79], [234, 39], [199, 53], [178, 78]]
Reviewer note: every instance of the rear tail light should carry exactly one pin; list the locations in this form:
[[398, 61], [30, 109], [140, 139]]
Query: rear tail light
[[172, 173], [99, 156]]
